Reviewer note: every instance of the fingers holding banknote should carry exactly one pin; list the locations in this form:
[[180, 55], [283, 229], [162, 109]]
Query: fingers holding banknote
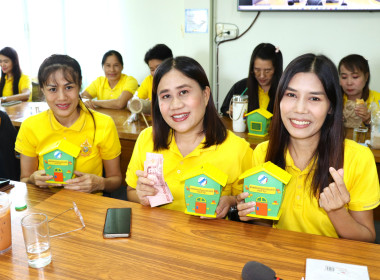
[[144, 187]]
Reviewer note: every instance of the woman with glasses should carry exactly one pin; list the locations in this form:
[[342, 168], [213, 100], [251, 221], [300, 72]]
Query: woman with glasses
[[68, 118], [265, 69]]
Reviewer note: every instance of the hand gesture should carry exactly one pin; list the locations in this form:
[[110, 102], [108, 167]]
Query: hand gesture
[[336, 195], [39, 179], [245, 208], [144, 187], [85, 183]]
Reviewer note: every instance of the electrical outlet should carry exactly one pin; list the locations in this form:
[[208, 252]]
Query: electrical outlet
[[219, 30], [229, 33], [225, 31]]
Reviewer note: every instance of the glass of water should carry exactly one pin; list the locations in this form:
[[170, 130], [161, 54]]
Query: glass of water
[[35, 229]]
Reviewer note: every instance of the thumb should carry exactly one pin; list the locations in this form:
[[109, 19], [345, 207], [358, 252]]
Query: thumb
[[78, 173], [341, 172]]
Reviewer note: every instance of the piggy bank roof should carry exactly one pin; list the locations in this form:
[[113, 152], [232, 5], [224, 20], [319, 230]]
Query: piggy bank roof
[[272, 169], [262, 112], [210, 171], [64, 146]]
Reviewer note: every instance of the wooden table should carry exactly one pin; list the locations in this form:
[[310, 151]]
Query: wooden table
[[166, 244]]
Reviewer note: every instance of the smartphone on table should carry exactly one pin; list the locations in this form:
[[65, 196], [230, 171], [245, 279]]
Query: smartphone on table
[[4, 182], [117, 223]]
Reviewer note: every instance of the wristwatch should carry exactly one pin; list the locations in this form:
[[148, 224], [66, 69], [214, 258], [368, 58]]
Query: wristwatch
[[368, 124]]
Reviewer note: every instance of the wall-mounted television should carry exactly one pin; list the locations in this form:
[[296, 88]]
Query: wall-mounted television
[[308, 5]]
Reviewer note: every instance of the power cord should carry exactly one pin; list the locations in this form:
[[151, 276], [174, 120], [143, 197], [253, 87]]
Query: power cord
[[217, 55]]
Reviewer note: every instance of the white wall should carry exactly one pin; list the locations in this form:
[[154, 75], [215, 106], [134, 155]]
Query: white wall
[[334, 34], [86, 29], [132, 27]]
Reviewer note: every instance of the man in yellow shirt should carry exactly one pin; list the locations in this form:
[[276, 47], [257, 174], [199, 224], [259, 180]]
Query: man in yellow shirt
[[153, 58]]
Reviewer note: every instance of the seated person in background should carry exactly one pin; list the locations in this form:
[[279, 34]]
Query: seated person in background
[[354, 78], [68, 118], [9, 164], [13, 84], [265, 69], [115, 89], [334, 184], [188, 132], [153, 58]]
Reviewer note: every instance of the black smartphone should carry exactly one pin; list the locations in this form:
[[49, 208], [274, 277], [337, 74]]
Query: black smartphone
[[4, 182], [118, 223]]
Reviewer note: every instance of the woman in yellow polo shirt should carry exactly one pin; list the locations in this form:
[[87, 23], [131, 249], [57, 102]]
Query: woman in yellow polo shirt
[[334, 184], [187, 132], [265, 69], [68, 118], [354, 76], [13, 84], [115, 89]]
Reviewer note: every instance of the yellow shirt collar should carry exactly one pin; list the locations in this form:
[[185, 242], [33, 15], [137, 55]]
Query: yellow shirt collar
[[76, 126], [196, 152]]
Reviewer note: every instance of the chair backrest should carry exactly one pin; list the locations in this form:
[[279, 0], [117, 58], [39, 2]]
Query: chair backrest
[[37, 94], [9, 164]]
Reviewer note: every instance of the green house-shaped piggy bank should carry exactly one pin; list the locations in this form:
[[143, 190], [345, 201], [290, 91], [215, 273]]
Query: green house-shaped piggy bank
[[59, 160], [265, 184], [258, 122], [203, 187]]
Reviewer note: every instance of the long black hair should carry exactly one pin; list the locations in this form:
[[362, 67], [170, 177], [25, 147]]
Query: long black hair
[[264, 51], [16, 70], [213, 127], [330, 149]]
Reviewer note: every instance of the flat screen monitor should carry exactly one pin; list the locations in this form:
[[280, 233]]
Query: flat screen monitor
[[308, 5]]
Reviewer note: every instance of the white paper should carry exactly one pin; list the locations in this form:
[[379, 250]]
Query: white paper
[[327, 270]]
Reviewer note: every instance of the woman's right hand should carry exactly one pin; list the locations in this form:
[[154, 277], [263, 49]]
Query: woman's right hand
[[245, 208], [39, 179], [144, 187]]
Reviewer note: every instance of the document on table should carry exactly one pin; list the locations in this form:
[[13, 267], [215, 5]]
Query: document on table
[[327, 270]]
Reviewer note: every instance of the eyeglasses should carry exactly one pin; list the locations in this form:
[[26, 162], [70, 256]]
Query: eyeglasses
[[77, 213], [258, 71]]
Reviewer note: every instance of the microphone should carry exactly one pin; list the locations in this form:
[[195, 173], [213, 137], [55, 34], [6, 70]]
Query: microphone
[[257, 271]]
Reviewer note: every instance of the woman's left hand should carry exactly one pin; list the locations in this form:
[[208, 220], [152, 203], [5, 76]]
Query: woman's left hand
[[336, 195], [85, 183], [91, 104], [362, 112]]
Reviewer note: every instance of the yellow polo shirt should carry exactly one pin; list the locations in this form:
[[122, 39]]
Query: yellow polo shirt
[[24, 83], [301, 211], [263, 99], [43, 129], [145, 89], [233, 157], [101, 89], [373, 96]]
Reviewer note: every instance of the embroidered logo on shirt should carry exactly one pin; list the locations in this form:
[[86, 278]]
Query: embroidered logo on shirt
[[86, 149]]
